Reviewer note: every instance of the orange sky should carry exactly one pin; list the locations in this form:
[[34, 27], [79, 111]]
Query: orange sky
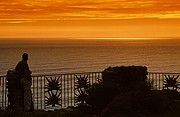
[[89, 18]]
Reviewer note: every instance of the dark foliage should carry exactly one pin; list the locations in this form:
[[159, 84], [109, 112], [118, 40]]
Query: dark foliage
[[151, 102], [127, 78], [100, 94], [115, 81]]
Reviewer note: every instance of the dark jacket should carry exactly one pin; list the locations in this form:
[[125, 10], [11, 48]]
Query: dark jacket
[[22, 70]]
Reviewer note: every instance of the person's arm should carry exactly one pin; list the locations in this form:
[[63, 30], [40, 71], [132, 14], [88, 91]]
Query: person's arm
[[27, 72]]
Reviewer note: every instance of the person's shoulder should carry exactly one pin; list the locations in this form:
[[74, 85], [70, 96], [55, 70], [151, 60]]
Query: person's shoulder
[[23, 62], [20, 62]]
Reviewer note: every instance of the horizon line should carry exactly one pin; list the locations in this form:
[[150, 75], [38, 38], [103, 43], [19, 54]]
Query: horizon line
[[71, 19], [86, 38]]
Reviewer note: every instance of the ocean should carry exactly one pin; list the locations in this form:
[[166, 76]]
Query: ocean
[[91, 55]]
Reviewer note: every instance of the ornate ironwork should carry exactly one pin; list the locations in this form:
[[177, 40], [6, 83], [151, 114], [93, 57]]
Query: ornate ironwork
[[82, 85], [53, 91], [171, 82]]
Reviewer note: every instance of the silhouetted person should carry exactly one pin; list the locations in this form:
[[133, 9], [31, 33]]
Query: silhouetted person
[[24, 74]]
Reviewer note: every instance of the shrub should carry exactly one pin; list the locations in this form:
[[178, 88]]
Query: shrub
[[115, 81], [127, 78], [100, 94]]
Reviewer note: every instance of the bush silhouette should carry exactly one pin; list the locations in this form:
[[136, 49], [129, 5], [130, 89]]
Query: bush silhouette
[[127, 78], [116, 80]]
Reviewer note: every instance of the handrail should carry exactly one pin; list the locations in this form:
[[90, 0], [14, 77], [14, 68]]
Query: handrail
[[35, 75]]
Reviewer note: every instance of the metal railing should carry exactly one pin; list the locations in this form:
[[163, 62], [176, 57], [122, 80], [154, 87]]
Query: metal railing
[[43, 91], [156, 79], [3, 93], [64, 92]]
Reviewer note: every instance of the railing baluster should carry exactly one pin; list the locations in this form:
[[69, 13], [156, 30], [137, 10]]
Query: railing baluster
[[37, 92], [74, 88], [151, 79], [159, 81], [71, 87], [67, 90], [91, 77], [64, 90], [3, 93], [33, 89], [156, 81], [41, 90], [162, 80], [44, 92]]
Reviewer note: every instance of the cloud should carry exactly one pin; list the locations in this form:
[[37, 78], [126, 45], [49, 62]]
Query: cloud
[[90, 9]]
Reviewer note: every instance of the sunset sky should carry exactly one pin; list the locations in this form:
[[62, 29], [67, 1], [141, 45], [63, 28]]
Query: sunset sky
[[89, 18]]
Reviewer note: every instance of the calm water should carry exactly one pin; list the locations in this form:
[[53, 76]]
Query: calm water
[[69, 56]]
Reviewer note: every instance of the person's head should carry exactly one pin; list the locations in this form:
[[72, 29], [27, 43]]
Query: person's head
[[25, 56]]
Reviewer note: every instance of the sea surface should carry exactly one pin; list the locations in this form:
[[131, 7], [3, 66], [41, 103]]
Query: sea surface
[[91, 55]]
